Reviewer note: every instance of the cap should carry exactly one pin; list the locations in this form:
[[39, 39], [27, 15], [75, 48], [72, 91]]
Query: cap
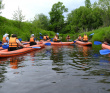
[[32, 34], [6, 34]]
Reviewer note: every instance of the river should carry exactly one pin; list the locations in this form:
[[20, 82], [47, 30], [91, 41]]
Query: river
[[57, 69]]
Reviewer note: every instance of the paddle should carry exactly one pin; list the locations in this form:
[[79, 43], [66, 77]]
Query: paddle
[[25, 43], [33, 47], [6, 46], [48, 44], [104, 52], [20, 39], [91, 34], [74, 41], [97, 42]]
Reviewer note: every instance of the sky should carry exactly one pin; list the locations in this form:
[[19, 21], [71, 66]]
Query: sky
[[32, 7]]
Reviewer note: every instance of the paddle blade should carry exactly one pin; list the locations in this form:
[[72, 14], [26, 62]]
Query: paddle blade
[[104, 52], [48, 44], [74, 41], [20, 39], [91, 34], [97, 43], [36, 47], [41, 37], [5, 46], [25, 43]]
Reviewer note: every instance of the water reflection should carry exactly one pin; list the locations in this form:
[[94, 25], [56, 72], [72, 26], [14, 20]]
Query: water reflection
[[76, 61], [57, 54], [15, 62], [84, 50]]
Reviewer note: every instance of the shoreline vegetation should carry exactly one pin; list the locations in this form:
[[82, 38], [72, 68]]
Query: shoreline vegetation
[[26, 29]]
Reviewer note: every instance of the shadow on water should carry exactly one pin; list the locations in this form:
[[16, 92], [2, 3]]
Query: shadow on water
[[76, 66]]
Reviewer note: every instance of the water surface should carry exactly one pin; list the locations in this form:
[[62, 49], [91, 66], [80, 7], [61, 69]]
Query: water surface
[[56, 69]]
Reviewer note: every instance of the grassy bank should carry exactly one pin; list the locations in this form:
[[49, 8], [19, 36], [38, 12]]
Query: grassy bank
[[25, 29], [101, 34], [22, 30]]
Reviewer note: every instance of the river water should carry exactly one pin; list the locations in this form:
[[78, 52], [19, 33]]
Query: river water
[[56, 69]]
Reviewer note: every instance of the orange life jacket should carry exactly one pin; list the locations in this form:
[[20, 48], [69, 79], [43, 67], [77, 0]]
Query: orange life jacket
[[68, 37], [85, 38], [79, 38], [55, 38], [4, 40], [45, 38], [12, 42], [32, 39]]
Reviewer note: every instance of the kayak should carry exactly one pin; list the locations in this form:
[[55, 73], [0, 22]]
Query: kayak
[[61, 43], [6, 53], [84, 43], [55, 43], [24, 43], [104, 46]]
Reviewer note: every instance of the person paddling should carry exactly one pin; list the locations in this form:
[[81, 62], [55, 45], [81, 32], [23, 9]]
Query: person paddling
[[32, 40], [44, 37], [85, 38], [55, 39], [5, 39], [68, 38], [14, 43], [79, 38]]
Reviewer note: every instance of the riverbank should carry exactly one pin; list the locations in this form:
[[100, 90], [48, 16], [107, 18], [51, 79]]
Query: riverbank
[[101, 34]]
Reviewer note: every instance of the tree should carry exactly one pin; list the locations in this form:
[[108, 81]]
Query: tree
[[105, 6], [88, 3], [1, 5], [57, 17], [41, 21], [18, 17]]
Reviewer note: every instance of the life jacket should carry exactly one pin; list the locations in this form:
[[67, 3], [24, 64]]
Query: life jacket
[[68, 37], [45, 37], [32, 39], [12, 42], [4, 40], [85, 38], [55, 38], [79, 38]]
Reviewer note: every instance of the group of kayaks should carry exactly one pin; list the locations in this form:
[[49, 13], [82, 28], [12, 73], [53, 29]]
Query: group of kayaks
[[6, 53], [28, 48]]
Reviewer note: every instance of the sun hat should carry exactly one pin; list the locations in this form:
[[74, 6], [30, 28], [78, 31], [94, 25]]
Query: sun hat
[[32, 34]]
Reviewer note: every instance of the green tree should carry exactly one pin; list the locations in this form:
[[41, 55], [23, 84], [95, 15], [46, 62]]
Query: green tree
[[19, 17], [57, 17], [88, 3], [1, 6], [41, 21], [105, 6]]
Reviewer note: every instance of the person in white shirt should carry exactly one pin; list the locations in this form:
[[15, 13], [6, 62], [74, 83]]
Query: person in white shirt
[[5, 39]]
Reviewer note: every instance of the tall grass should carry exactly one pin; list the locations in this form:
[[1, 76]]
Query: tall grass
[[23, 31]]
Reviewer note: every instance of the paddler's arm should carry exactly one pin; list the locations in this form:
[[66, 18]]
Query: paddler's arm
[[19, 43]]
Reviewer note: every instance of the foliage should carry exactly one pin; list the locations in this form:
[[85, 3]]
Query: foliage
[[27, 28], [105, 6], [1, 5], [18, 17], [41, 21], [57, 17], [88, 3]]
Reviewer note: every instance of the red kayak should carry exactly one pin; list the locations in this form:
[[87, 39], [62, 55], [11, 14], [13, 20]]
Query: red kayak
[[84, 43], [6, 53]]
